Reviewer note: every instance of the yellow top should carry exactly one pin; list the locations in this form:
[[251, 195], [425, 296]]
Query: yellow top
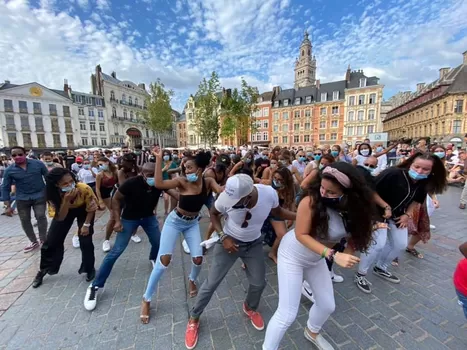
[[85, 196]]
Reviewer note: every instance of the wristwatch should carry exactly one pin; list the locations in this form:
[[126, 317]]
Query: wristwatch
[[222, 236]]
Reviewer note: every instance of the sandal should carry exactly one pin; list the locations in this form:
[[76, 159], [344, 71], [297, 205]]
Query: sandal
[[193, 293], [395, 262], [144, 317], [414, 252]]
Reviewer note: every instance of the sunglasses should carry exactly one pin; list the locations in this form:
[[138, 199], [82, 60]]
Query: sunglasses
[[17, 155], [317, 154], [247, 217], [371, 166]]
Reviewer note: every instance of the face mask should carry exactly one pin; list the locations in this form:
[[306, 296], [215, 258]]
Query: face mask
[[192, 177], [68, 188], [331, 202], [103, 167], [20, 159], [416, 176], [137, 153], [440, 155], [284, 162], [365, 152], [276, 184], [321, 167], [334, 153], [265, 157], [248, 160], [318, 157], [309, 154], [371, 170], [166, 157], [301, 159], [150, 181], [273, 166], [86, 166], [379, 149], [49, 163]]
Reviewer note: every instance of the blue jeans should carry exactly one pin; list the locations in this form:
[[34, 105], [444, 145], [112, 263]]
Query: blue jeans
[[149, 225], [463, 301], [172, 227]]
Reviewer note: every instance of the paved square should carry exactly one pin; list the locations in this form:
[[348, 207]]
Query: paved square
[[420, 313]]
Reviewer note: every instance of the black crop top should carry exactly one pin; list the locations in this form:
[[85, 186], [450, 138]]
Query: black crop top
[[193, 202]]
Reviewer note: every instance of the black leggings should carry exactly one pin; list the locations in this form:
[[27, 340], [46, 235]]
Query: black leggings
[[52, 250]]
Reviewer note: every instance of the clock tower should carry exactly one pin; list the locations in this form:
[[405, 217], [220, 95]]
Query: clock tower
[[305, 64]]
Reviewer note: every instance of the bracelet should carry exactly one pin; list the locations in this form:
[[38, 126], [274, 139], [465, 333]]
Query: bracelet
[[87, 225], [323, 254], [222, 236], [331, 255]]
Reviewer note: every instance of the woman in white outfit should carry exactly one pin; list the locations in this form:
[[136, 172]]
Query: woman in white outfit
[[338, 204]]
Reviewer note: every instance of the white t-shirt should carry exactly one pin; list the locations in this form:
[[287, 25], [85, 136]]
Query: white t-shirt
[[299, 166], [85, 175], [234, 218]]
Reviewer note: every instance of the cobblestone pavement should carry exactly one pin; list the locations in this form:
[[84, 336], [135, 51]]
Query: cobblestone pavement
[[420, 313]]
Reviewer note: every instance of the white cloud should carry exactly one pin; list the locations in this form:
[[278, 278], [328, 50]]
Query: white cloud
[[103, 4], [84, 4]]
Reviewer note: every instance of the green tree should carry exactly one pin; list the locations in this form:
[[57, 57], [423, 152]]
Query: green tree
[[206, 119], [159, 111], [231, 111], [249, 95]]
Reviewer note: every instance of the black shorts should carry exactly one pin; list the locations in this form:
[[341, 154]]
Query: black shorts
[[106, 192]]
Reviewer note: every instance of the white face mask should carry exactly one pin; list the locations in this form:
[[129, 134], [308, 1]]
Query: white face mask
[[365, 152]]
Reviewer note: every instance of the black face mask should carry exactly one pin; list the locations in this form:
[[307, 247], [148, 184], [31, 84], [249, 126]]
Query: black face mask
[[242, 205], [332, 203]]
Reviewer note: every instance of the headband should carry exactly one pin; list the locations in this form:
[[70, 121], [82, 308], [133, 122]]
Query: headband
[[339, 176]]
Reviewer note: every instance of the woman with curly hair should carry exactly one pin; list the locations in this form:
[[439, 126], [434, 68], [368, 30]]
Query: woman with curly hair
[[330, 210], [69, 200]]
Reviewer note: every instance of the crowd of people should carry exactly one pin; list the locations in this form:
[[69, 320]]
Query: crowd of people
[[313, 207]]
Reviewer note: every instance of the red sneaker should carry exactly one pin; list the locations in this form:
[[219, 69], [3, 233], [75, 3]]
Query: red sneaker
[[191, 334], [255, 317]]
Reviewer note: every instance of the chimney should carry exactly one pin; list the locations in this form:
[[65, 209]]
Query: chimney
[[420, 86], [7, 82], [317, 84], [276, 90], [443, 72], [465, 58], [347, 74], [114, 75], [65, 85]]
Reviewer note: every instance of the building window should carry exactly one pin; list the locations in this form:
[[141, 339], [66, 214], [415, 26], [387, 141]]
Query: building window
[[80, 111], [82, 125], [372, 99], [362, 82], [275, 140], [285, 115], [101, 127], [39, 124], [296, 139], [285, 127], [112, 95], [131, 115], [308, 99], [55, 126], [104, 142], [136, 101], [37, 107], [130, 100], [335, 110], [307, 126], [94, 141], [352, 101], [23, 107], [56, 139], [359, 130], [88, 100], [322, 111], [324, 96], [91, 112], [297, 114], [445, 107], [100, 114], [458, 106], [456, 126], [296, 126], [297, 100], [307, 113], [361, 99], [276, 116], [24, 122], [125, 114], [10, 122], [84, 141], [361, 115], [98, 102], [8, 105], [371, 114], [276, 103], [41, 140], [265, 135], [265, 112], [12, 138], [276, 128], [349, 130], [334, 124], [322, 137], [286, 102], [92, 126], [370, 129], [306, 138], [53, 109], [335, 95], [351, 116], [265, 124], [285, 139], [253, 137], [123, 98], [334, 136], [322, 125], [66, 111]]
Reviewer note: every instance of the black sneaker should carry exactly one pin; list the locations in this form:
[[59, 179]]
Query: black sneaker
[[90, 300], [362, 283], [38, 279], [91, 275], [386, 275]]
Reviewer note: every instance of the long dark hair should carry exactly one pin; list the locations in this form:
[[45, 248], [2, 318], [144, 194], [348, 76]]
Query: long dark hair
[[437, 180], [202, 159], [356, 208], [364, 144], [52, 192], [288, 189]]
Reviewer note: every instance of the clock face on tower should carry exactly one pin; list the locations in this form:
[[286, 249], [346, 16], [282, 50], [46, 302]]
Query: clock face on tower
[[35, 91]]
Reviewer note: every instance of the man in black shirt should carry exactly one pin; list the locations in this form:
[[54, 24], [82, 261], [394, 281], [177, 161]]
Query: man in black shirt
[[141, 156], [138, 197], [70, 159]]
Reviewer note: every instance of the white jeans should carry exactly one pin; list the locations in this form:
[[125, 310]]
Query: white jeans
[[386, 246], [295, 261]]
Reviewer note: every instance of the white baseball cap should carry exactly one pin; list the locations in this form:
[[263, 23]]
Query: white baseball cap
[[236, 187]]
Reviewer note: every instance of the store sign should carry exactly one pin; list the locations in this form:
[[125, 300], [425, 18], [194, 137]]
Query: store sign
[[133, 132]]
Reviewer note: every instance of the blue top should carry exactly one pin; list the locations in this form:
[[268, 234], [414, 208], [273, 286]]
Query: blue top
[[29, 183]]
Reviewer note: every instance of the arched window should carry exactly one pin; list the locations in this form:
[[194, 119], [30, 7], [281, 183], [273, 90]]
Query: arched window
[[136, 101], [112, 95], [124, 98], [125, 114], [114, 112], [303, 52], [309, 52], [130, 100], [131, 114]]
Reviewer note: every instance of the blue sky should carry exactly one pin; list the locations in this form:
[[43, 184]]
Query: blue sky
[[401, 41]]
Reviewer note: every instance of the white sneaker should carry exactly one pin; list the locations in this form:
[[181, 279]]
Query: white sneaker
[[75, 241], [215, 235], [106, 246], [306, 292], [336, 278], [90, 300], [186, 249], [135, 238], [432, 227], [319, 342]]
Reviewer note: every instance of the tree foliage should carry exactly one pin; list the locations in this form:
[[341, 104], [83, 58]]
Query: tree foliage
[[159, 111]]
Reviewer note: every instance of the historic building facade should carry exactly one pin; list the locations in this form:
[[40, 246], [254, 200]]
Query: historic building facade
[[437, 110], [182, 131], [34, 116], [261, 136]]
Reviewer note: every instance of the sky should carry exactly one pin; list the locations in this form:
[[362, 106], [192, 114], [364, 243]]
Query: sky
[[403, 42]]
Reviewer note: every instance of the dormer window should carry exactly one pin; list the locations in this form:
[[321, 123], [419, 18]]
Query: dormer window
[[286, 102], [308, 99], [335, 95], [276, 103], [324, 96], [362, 82], [260, 99], [297, 101]]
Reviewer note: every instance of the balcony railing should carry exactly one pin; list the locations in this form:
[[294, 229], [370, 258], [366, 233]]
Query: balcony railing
[[68, 130], [37, 111], [39, 128], [23, 110], [53, 113], [112, 99], [28, 144], [41, 144], [81, 116], [67, 114], [11, 127], [25, 127], [9, 109]]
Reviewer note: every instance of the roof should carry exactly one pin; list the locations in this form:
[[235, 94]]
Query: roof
[[182, 117], [460, 79], [110, 79], [266, 96], [6, 86], [355, 77]]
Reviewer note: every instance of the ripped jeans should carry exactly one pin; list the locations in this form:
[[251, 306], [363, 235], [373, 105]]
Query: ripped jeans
[[170, 232]]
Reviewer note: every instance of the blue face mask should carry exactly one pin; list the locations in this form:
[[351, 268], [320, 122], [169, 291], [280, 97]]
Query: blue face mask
[[379, 149], [318, 157], [192, 177], [86, 166], [150, 181], [103, 167], [334, 153], [276, 184], [166, 157], [416, 176], [440, 155], [321, 166], [309, 154], [301, 159], [371, 170], [265, 157], [68, 188]]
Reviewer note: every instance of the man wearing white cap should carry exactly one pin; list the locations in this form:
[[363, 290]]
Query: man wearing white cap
[[245, 207]]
